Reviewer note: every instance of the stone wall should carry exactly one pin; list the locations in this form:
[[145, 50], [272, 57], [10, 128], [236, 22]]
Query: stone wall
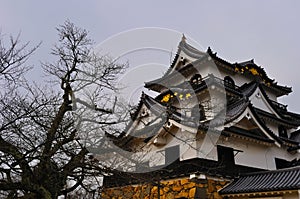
[[169, 189]]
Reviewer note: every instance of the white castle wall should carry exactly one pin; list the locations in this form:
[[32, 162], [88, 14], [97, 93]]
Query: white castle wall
[[252, 154]]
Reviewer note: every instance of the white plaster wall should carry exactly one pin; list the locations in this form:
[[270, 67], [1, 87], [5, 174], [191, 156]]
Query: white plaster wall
[[186, 57], [205, 70], [206, 145], [184, 139], [258, 101], [238, 79], [188, 150], [156, 159], [254, 155]]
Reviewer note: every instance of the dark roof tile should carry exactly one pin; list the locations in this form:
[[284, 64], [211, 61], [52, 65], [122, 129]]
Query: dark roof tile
[[278, 180], [175, 170]]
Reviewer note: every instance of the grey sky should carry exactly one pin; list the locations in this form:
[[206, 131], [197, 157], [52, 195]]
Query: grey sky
[[267, 31]]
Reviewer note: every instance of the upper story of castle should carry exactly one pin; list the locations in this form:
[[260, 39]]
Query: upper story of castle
[[201, 92], [190, 62]]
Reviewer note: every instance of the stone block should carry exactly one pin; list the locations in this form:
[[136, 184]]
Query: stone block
[[170, 196], [192, 192], [177, 188], [166, 189], [183, 193], [154, 189], [189, 185], [184, 181]]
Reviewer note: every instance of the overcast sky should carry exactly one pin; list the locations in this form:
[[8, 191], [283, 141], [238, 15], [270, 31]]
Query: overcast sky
[[267, 31]]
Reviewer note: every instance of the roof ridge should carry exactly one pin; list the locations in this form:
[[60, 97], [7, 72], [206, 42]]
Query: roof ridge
[[273, 171]]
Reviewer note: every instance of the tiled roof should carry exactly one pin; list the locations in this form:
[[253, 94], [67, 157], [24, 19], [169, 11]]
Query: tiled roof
[[242, 68], [248, 88], [278, 180], [293, 122], [257, 135], [233, 111], [180, 74], [177, 169], [296, 136]]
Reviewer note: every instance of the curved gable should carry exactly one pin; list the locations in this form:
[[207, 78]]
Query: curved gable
[[260, 100], [249, 119]]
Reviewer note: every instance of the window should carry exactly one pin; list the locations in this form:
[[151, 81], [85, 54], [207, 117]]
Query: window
[[228, 81], [282, 131], [200, 192], [281, 163], [225, 156], [196, 79], [172, 154], [183, 61]]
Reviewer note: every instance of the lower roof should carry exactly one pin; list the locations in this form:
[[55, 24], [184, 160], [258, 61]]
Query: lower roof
[[175, 170], [265, 181]]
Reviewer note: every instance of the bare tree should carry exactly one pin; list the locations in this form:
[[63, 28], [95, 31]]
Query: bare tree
[[42, 153]]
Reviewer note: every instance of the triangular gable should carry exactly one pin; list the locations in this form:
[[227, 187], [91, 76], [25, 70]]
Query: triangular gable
[[186, 54], [260, 100], [253, 119], [185, 57]]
